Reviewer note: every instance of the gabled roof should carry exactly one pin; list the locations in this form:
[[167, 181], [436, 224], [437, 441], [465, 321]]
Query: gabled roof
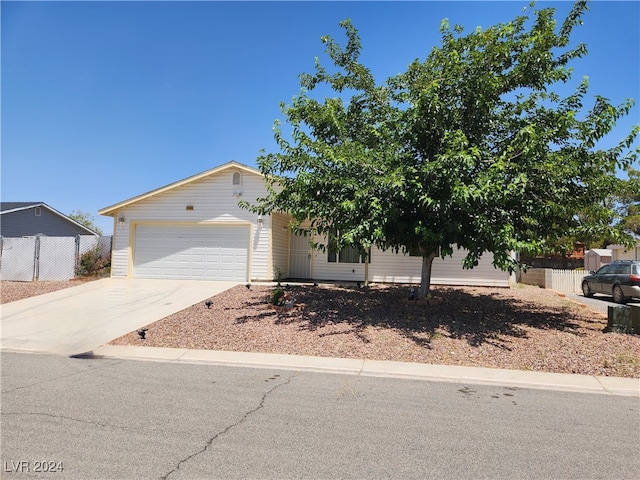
[[601, 251], [111, 210], [10, 207]]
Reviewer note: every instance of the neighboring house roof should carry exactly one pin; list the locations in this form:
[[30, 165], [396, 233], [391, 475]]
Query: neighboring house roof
[[11, 207], [621, 247], [8, 207], [111, 210]]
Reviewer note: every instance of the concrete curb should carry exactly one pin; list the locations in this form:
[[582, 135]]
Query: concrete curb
[[376, 368], [578, 303]]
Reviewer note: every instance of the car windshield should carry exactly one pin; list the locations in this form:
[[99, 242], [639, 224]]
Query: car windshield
[[604, 270]]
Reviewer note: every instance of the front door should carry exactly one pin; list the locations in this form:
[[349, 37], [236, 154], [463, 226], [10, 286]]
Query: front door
[[299, 257]]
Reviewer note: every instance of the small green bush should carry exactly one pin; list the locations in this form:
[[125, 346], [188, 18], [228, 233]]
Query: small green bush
[[277, 295], [91, 264]]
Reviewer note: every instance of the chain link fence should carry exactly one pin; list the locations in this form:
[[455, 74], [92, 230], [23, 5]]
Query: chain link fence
[[53, 258]]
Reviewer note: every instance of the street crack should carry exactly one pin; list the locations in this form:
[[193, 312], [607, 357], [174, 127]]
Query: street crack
[[64, 417], [242, 419], [72, 374]]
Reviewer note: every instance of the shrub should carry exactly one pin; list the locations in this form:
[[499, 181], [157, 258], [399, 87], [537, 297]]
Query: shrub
[[277, 296], [92, 264]]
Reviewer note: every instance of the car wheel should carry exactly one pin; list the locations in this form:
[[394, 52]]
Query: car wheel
[[586, 291], [618, 296]]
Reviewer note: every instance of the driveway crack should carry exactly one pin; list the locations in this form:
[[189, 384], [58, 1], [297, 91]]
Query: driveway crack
[[241, 420]]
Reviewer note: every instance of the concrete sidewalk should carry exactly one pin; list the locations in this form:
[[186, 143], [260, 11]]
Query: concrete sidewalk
[[415, 371], [79, 319]]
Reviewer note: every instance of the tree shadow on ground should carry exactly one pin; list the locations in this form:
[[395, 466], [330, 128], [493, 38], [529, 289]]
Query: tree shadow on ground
[[469, 314]]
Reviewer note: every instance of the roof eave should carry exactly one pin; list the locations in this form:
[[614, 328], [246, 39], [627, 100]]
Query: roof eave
[[26, 207], [56, 212], [111, 210]]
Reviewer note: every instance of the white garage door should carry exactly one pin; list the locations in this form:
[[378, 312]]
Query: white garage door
[[191, 252]]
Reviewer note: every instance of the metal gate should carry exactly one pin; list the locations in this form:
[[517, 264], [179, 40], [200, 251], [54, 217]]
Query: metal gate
[[29, 259]]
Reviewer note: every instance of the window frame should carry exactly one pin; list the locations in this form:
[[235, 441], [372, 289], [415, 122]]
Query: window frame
[[342, 256]]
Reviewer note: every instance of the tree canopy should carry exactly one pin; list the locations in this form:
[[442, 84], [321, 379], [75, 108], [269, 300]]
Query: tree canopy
[[469, 148], [86, 219], [629, 203]]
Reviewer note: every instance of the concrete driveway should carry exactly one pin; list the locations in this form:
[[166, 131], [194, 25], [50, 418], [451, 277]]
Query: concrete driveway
[[78, 319]]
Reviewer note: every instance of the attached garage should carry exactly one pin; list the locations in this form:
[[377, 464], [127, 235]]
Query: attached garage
[[195, 228], [191, 252]]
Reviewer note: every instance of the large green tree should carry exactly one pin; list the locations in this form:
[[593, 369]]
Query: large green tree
[[333, 169], [470, 148]]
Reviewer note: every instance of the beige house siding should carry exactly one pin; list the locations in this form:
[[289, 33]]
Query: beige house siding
[[622, 253], [215, 202], [211, 198], [389, 267], [120, 250], [280, 244]]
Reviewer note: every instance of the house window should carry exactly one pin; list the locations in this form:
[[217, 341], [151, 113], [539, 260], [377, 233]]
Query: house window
[[38, 211], [345, 255], [236, 179]]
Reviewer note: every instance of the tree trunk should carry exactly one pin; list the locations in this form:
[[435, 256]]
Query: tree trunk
[[425, 282], [366, 268]]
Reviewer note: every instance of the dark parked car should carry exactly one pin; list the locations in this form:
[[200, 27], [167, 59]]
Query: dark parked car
[[620, 279]]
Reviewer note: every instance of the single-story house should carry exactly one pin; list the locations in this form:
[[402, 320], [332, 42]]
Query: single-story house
[[31, 219], [194, 229], [625, 253]]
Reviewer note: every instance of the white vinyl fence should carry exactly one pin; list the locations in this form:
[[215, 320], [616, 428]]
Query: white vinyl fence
[[47, 258], [567, 281]]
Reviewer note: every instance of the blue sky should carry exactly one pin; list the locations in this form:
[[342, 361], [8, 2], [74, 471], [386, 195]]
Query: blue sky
[[102, 101]]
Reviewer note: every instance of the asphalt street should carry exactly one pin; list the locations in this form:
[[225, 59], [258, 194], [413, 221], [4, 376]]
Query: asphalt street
[[112, 418], [599, 303]]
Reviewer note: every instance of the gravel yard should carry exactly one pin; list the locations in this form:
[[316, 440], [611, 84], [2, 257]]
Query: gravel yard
[[523, 328], [12, 291]]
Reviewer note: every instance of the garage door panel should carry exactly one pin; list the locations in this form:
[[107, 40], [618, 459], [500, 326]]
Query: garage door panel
[[192, 252]]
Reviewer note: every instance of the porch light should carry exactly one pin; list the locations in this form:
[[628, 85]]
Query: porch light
[[121, 220]]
